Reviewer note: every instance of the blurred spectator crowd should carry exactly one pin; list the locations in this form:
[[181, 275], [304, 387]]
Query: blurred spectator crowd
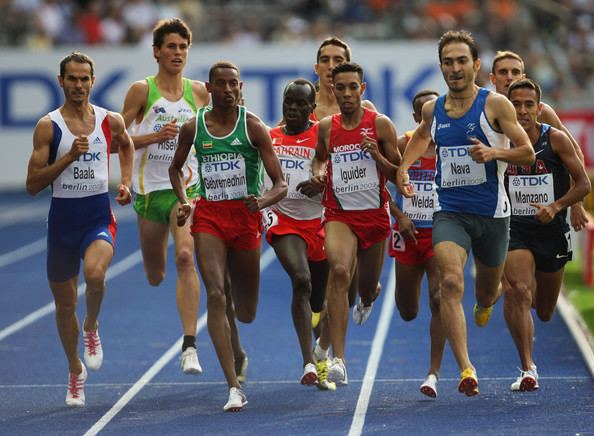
[[555, 37]]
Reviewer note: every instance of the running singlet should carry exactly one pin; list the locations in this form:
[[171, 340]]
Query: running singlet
[[151, 163], [543, 182], [464, 185], [353, 180], [295, 154], [229, 167], [89, 174], [420, 207]]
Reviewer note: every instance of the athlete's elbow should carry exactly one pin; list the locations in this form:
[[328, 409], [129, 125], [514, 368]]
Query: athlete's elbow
[[32, 188]]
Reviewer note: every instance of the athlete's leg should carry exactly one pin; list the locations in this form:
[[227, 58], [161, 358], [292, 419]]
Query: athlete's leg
[[96, 260], [153, 243], [451, 259], [487, 283], [436, 330], [408, 289], [370, 262], [238, 351], [518, 289], [291, 251], [341, 249], [548, 286], [65, 296], [187, 289]]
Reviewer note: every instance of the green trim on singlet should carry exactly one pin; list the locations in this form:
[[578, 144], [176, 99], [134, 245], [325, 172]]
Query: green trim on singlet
[[154, 94]]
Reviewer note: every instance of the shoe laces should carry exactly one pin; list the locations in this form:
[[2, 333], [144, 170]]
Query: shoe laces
[[322, 369], [75, 385], [92, 341]]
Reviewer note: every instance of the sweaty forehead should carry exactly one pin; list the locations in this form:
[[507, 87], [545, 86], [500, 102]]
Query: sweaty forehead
[[225, 73], [455, 50], [347, 77], [77, 68], [332, 50]]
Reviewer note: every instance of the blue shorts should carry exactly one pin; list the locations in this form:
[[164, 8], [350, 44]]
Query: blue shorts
[[72, 225]]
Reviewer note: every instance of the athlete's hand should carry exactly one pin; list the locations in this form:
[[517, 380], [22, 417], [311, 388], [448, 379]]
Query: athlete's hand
[[370, 145], [168, 131], [309, 188], [316, 183], [481, 153], [578, 217], [252, 202], [80, 146], [545, 214], [407, 228], [124, 195], [183, 213], [403, 182]]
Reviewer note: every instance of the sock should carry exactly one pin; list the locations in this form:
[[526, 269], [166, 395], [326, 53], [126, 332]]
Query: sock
[[319, 352], [189, 341]]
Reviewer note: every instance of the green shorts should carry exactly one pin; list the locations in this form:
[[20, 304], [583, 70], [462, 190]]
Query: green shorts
[[157, 205], [488, 237]]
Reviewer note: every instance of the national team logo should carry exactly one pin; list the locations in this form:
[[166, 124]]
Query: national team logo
[[206, 144], [207, 168], [516, 181], [158, 109]]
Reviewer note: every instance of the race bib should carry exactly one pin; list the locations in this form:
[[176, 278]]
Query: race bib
[[269, 218], [398, 243], [420, 207], [355, 172], [295, 171], [458, 168], [225, 179], [523, 190]]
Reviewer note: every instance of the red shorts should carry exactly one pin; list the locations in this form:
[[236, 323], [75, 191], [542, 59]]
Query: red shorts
[[229, 220], [369, 226], [308, 230], [406, 251]]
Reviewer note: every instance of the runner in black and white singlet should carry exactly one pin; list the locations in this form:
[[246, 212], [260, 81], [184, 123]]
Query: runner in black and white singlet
[[470, 127], [71, 147], [540, 243]]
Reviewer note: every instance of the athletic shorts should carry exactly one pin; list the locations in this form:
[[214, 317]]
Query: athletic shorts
[[369, 226], [157, 205], [72, 225], [406, 251], [229, 220], [551, 247], [308, 230], [488, 237]]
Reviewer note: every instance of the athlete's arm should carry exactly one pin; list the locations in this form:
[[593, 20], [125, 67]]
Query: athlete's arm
[[500, 109], [176, 176], [258, 134], [39, 173], [121, 139], [134, 109], [415, 148], [384, 149], [201, 95], [561, 145], [318, 165], [367, 104]]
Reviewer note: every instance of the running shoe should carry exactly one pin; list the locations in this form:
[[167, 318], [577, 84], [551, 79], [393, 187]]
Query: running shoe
[[241, 365], [482, 315], [189, 361], [527, 381], [237, 400], [468, 383], [322, 370], [93, 353], [361, 312], [310, 375], [75, 395], [429, 386], [338, 373]]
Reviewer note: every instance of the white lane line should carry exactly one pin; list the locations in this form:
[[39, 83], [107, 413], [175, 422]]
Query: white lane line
[[579, 330], [23, 252], [377, 348], [115, 270], [265, 260]]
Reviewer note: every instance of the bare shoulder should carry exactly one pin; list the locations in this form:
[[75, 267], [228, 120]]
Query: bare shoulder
[[557, 135], [200, 92], [44, 130], [428, 109], [368, 105], [549, 116], [495, 100], [326, 123], [116, 121], [139, 88]]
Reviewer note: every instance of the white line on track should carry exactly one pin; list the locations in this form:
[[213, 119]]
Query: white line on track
[[122, 266], [266, 259], [23, 252], [377, 348]]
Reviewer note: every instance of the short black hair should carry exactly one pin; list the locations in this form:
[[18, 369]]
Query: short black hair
[[348, 67], [172, 25], [423, 93], [221, 64], [458, 36], [333, 40], [77, 56], [525, 83], [305, 82]]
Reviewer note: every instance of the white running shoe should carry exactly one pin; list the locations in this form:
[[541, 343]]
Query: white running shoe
[[527, 381], [237, 400], [189, 361], [338, 373], [310, 375], [75, 395], [361, 312], [429, 386], [93, 350]]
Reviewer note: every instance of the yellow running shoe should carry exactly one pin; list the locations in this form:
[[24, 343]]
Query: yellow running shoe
[[468, 383], [323, 383], [315, 319], [482, 315]]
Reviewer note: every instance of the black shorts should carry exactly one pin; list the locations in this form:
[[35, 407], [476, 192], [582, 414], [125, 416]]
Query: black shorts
[[551, 247]]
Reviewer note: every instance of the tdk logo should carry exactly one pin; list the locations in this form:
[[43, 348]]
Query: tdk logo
[[158, 109], [221, 166], [454, 152], [443, 126], [353, 156], [530, 181], [292, 164], [89, 157]]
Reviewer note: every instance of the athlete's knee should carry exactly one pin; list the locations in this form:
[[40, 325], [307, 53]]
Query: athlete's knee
[[216, 301], [302, 284], [65, 309], [517, 293], [452, 286], [341, 274], [95, 278], [184, 258]]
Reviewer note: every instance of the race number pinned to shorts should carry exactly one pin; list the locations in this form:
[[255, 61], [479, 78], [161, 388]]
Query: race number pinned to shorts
[[568, 239], [269, 218], [397, 241]]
